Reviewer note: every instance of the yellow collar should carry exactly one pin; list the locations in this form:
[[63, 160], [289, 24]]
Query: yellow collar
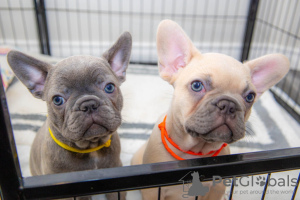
[[106, 144]]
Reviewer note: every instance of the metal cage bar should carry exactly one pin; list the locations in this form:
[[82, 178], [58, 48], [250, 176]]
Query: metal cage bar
[[10, 172], [14, 186], [253, 7], [42, 26], [296, 188]]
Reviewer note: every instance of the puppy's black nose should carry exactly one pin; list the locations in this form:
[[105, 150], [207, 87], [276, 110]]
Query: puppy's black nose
[[226, 107], [89, 106]]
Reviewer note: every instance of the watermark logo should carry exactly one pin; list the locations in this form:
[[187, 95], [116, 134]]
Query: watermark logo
[[192, 185], [261, 181], [196, 189]]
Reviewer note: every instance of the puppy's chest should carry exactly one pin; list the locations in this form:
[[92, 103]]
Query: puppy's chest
[[98, 160]]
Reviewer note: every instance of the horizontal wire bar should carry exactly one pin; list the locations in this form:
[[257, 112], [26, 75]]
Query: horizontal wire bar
[[278, 29]]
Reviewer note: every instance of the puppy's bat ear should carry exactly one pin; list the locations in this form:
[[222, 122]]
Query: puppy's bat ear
[[268, 70], [30, 71], [119, 54], [174, 49]]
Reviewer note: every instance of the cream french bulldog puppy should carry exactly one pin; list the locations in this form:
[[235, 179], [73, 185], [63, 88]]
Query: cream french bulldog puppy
[[84, 104], [213, 96]]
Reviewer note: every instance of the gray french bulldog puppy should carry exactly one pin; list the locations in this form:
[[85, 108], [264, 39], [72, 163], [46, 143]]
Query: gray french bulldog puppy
[[84, 104]]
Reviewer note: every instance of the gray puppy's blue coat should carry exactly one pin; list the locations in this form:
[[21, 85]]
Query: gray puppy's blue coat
[[88, 115]]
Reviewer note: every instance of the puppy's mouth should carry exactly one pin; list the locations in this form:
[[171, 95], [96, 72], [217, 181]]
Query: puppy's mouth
[[221, 133], [95, 132], [94, 136], [92, 133]]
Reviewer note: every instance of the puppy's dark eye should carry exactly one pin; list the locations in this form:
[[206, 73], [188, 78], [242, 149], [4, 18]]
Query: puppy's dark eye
[[197, 86], [58, 100], [250, 97], [109, 88]]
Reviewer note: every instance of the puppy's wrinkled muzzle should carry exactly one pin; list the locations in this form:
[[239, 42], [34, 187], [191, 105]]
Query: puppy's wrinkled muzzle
[[90, 119], [224, 123]]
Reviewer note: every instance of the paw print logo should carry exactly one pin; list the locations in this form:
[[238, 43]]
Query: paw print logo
[[261, 181]]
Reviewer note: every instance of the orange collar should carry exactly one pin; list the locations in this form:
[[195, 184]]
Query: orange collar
[[164, 134]]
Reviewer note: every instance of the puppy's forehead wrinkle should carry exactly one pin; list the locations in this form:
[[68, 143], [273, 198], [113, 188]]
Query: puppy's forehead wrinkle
[[209, 81], [78, 78], [247, 88], [206, 78]]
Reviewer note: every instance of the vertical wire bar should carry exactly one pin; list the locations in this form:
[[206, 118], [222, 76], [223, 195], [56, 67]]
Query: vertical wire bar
[[251, 19], [131, 16], [119, 195], [283, 83], [78, 26], [224, 25], [276, 19], [151, 28], [194, 20], [41, 18], [265, 27], [159, 191], [296, 188], [24, 25], [141, 29], [2, 30], [100, 25], [269, 28], [10, 171], [109, 21], [266, 186], [196, 197], [296, 74], [231, 190], [69, 28], [233, 30], [120, 16], [58, 28], [162, 14], [183, 16], [12, 23], [215, 19], [205, 7], [290, 27], [283, 27], [291, 56], [131, 20], [292, 50], [89, 27], [260, 28], [173, 10]]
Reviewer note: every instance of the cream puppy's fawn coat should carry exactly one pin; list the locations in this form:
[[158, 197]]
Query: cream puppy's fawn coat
[[212, 100]]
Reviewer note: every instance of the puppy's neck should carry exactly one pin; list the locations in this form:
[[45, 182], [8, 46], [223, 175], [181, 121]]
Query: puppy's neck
[[185, 141]]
